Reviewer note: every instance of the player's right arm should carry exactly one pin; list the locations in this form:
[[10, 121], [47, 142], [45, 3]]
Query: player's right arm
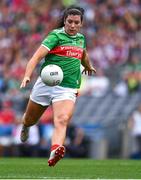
[[36, 58], [48, 43]]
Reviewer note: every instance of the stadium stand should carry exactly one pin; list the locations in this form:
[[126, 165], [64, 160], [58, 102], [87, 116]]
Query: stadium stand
[[112, 29], [92, 110], [105, 118]]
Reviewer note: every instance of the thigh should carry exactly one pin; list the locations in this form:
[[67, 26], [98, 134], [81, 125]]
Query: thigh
[[34, 110], [64, 107]]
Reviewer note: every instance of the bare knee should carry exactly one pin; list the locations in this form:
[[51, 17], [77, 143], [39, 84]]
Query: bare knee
[[61, 121]]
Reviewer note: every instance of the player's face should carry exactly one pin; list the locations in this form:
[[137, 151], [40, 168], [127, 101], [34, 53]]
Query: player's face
[[72, 24]]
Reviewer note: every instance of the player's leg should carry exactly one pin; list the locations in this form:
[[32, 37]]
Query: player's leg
[[31, 116], [62, 111]]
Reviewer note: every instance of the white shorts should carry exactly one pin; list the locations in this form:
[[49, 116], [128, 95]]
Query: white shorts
[[46, 95]]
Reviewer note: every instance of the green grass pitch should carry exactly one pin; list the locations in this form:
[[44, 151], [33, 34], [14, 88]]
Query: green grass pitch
[[37, 168]]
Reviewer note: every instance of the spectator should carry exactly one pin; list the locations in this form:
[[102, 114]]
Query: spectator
[[46, 131], [97, 85], [132, 73], [135, 126], [31, 147], [77, 143], [7, 117]]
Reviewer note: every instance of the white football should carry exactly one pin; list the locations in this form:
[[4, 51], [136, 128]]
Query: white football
[[52, 75]]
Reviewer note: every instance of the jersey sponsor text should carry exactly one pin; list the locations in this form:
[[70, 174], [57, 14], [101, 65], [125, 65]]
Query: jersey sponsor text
[[69, 51]]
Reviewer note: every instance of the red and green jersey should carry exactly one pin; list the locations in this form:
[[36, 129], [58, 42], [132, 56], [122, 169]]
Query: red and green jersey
[[65, 51]]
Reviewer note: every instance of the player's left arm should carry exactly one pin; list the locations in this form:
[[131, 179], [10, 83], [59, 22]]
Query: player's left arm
[[88, 68]]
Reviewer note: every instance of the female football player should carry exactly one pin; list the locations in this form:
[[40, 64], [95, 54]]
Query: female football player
[[66, 48]]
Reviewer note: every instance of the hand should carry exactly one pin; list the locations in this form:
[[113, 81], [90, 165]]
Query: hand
[[89, 71], [24, 82]]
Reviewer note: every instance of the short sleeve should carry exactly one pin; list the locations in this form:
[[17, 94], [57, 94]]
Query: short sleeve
[[50, 41]]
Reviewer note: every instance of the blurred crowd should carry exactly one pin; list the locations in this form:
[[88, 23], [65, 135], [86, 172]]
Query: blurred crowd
[[113, 33]]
